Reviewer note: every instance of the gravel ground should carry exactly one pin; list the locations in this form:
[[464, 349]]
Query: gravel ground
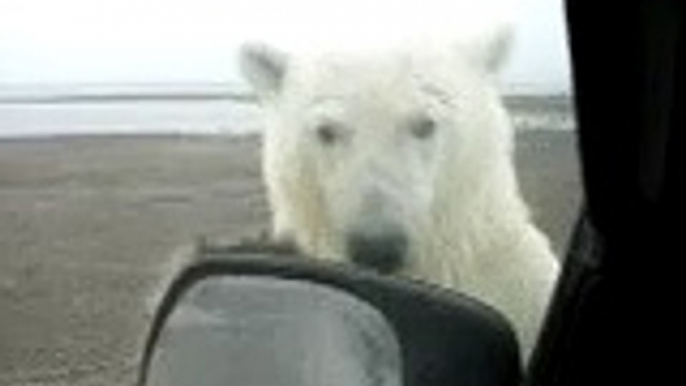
[[88, 228]]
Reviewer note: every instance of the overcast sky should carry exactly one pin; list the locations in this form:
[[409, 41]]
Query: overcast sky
[[194, 41]]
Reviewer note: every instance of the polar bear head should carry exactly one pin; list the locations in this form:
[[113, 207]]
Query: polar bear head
[[368, 154]]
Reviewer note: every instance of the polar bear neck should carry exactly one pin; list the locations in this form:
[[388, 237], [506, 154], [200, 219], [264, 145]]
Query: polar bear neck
[[491, 213]]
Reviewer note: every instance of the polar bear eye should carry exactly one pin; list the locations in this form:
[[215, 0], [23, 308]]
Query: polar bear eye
[[423, 127], [328, 133]]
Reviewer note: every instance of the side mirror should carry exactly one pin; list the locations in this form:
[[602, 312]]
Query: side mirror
[[250, 318]]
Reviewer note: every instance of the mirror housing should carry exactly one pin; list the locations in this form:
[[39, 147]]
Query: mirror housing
[[300, 320]]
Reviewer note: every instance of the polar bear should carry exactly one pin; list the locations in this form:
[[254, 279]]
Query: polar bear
[[401, 160]]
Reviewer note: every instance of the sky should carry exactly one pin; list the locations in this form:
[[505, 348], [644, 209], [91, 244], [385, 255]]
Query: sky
[[195, 41]]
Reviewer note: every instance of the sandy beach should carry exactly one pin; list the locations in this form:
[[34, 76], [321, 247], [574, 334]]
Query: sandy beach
[[88, 225]]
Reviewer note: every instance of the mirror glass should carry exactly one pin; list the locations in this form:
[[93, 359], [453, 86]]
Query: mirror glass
[[257, 331]]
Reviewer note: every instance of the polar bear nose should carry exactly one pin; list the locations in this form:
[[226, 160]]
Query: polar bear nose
[[383, 252]]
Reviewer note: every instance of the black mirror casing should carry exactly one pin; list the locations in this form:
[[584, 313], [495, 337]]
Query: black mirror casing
[[443, 338]]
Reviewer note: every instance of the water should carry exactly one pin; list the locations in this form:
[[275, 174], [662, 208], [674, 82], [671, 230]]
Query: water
[[206, 115], [128, 117]]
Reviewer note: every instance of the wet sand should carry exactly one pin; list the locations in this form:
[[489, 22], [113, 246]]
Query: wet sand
[[89, 225]]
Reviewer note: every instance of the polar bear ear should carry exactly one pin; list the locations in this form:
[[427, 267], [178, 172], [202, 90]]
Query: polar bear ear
[[264, 67], [490, 50]]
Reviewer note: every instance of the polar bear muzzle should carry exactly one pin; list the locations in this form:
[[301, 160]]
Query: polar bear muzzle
[[383, 251]]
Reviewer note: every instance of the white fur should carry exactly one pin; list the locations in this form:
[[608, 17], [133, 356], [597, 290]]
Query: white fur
[[455, 193]]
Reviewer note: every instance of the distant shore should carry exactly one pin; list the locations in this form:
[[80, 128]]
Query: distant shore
[[538, 101]]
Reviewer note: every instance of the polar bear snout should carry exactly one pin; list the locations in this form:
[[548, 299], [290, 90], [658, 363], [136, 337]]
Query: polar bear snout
[[384, 251]]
